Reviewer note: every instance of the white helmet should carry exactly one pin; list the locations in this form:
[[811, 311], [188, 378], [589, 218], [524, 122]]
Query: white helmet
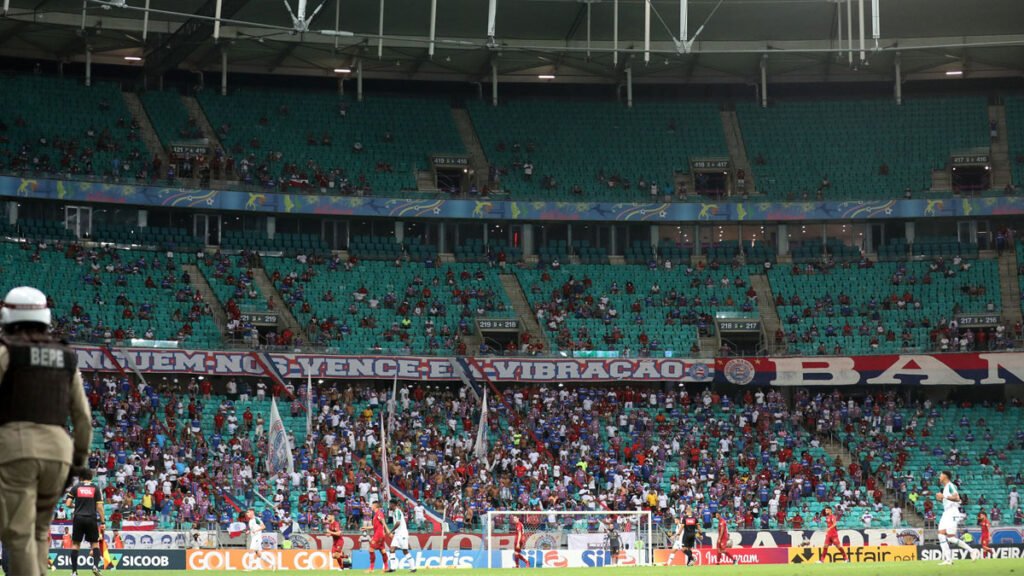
[[25, 304]]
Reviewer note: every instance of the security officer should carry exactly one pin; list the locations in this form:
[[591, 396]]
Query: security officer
[[40, 388]]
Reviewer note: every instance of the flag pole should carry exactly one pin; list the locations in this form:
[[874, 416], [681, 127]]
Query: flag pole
[[391, 404], [309, 404], [384, 472]]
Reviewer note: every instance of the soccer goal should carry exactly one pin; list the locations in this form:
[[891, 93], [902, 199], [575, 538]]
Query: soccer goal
[[571, 538]]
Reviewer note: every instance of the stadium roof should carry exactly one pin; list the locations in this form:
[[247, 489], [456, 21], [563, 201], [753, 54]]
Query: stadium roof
[[983, 38]]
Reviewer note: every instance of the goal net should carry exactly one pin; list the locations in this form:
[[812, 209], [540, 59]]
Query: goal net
[[566, 539]]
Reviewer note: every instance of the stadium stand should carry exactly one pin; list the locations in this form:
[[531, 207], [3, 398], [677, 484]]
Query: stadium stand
[[588, 150], [55, 125], [330, 143], [862, 149], [749, 456], [170, 118], [289, 244], [190, 455], [885, 307], [177, 239], [386, 307], [834, 249], [474, 250], [230, 279], [905, 445], [1015, 137], [651, 310], [104, 295]]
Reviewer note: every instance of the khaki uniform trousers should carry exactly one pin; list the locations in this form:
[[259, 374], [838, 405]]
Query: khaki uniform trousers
[[29, 492]]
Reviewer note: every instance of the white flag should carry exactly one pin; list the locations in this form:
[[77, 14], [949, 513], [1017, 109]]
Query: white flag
[[279, 451], [480, 449], [384, 473]]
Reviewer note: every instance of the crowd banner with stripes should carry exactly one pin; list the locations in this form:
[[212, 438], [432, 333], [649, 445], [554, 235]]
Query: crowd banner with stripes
[[960, 369]]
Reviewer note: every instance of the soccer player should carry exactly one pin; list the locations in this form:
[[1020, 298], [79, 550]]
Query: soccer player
[[986, 536], [255, 530], [614, 543], [337, 548], [677, 539], [379, 538], [519, 543], [87, 501], [950, 498], [723, 539], [400, 535], [831, 536]]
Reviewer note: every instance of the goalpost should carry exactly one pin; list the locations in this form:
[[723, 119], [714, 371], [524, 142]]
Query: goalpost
[[571, 538]]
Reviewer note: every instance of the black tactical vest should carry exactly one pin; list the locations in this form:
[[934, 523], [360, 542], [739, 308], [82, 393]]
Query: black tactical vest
[[37, 384]]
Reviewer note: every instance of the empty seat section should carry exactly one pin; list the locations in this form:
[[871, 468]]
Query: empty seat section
[[308, 138], [793, 146], [603, 148]]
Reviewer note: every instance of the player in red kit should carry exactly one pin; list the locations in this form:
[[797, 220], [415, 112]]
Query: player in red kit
[[334, 531], [379, 538], [832, 536], [723, 540], [986, 536], [520, 543]]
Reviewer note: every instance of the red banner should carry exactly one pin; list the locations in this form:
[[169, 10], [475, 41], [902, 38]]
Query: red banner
[[710, 557], [455, 541], [918, 369]]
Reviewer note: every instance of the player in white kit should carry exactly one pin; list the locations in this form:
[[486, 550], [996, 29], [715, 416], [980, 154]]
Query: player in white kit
[[951, 517], [400, 535], [256, 528]]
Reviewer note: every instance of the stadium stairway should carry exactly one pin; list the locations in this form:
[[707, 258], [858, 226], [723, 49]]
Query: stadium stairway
[[425, 181], [999, 153], [941, 181], [769, 314], [467, 132], [514, 290], [737, 150], [270, 294], [199, 282], [838, 451], [709, 345], [149, 137], [196, 111], [1009, 285]]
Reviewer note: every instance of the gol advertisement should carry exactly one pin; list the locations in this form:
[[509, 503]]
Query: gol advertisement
[[244, 560], [858, 554]]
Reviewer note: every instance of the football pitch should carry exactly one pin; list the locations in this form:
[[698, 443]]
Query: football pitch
[[930, 568]]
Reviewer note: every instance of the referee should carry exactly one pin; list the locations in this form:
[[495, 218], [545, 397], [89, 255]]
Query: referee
[[691, 532], [40, 388], [87, 520]]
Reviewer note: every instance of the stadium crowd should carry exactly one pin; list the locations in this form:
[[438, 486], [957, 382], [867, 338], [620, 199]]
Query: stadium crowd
[[191, 453]]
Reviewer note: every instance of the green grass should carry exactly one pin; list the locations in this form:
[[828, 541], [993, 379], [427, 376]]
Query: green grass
[[962, 568]]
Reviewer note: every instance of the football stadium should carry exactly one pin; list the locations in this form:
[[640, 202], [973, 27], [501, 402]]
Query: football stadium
[[642, 286]]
